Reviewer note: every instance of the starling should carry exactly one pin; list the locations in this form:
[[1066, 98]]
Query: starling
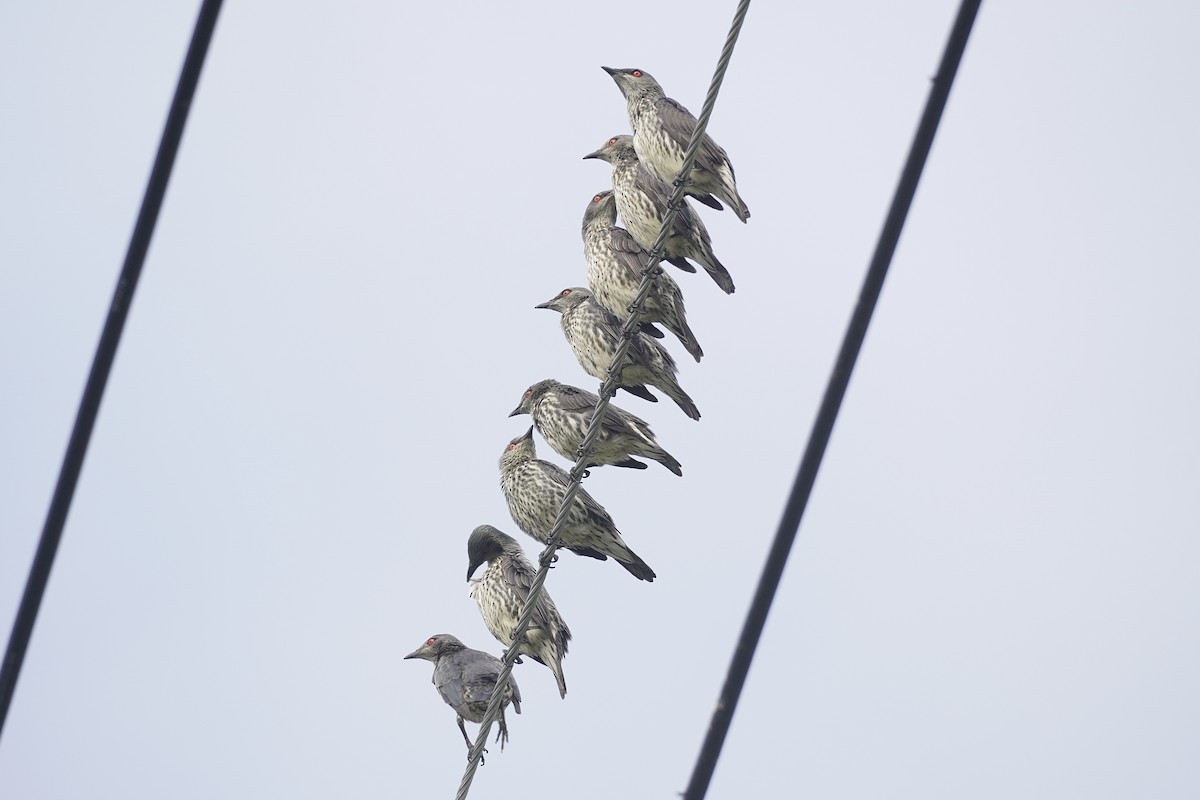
[[501, 594], [562, 413], [642, 201], [594, 334], [662, 129], [465, 679], [614, 269], [535, 489]]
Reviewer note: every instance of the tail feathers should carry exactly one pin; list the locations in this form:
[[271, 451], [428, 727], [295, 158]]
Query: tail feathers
[[686, 338], [589, 552], [676, 393], [668, 461], [556, 668], [716, 270], [636, 567], [641, 391]]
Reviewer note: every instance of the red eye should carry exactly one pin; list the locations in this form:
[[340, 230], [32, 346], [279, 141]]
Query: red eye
[[637, 73], [512, 446], [612, 140], [566, 292], [528, 393], [596, 199], [430, 642]]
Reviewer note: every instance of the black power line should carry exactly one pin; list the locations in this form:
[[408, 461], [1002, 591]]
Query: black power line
[[835, 391], [106, 350]]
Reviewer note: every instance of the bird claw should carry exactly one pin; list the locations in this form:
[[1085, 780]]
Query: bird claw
[[548, 557]]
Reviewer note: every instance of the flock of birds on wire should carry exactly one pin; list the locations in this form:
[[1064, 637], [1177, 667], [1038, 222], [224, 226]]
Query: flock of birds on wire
[[644, 166]]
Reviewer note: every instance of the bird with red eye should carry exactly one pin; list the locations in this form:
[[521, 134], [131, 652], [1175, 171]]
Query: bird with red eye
[[662, 129], [562, 413], [466, 680]]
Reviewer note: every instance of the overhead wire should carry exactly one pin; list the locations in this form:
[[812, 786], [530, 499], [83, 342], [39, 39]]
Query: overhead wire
[[607, 389], [835, 391], [106, 350]]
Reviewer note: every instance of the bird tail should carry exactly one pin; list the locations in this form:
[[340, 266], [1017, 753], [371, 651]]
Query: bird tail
[[630, 463], [716, 270], [638, 390], [681, 263], [683, 332], [673, 390], [635, 566], [556, 667], [735, 201], [668, 461]]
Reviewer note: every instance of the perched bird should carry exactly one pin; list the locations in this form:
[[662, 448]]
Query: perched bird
[[594, 334], [535, 489], [614, 271], [466, 679], [501, 594], [642, 201], [562, 413], [662, 129]]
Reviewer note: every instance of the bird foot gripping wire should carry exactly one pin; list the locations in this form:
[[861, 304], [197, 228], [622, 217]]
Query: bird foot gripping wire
[[548, 557]]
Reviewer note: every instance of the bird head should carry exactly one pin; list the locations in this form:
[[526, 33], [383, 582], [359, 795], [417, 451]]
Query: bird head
[[437, 646], [518, 450], [602, 208], [532, 395], [634, 83], [567, 299], [615, 149], [485, 544]]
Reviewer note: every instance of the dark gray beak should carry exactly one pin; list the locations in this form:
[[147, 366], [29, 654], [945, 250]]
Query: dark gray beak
[[528, 433], [415, 653], [609, 70], [547, 304], [471, 569], [516, 411], [593, 154]]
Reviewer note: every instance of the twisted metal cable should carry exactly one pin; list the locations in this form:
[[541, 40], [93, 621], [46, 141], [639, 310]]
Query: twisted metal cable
[[607, 389]]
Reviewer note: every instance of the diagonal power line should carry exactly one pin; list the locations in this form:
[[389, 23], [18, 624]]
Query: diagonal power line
[[607, 389], [106, 351], [835, 391]]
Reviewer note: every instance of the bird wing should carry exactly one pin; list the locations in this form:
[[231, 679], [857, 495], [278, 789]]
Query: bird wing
[[519, 578], [575, 399], [449, 682], [628, 251], [679, 123]]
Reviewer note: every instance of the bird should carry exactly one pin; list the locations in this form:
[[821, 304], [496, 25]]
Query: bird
[[594, 335], [502, 592], [561, 413], [466, 680], [662, 129], [614, 271], [535, 490], [642, 201]]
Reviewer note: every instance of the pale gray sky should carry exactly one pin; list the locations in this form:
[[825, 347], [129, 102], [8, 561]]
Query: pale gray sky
[[993, 595]]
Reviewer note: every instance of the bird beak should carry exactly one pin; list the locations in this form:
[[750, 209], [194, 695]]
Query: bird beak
[[548, 304], [528, 433], [416, 653], [474, 565], [593, 154], [609, 70], [516, 411]]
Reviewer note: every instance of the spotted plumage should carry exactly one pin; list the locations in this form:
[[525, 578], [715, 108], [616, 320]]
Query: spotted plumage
[[642, 201], [535, 489], [662, 129], [501, 593], [614, 271], [594, 335], [561, 413]]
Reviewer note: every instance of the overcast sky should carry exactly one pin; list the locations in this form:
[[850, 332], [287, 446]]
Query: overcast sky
[[994, 593]]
